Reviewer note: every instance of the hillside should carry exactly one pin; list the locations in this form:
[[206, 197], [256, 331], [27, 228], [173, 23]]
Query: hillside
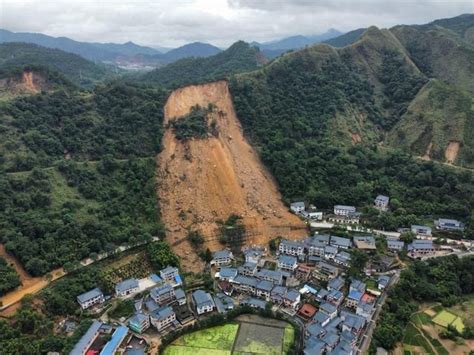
[[14, 57], [196, 49], [209, 178], [239, 57], [346, 38]]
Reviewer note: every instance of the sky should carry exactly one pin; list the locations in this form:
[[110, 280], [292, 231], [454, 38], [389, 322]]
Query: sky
[[172, 23]]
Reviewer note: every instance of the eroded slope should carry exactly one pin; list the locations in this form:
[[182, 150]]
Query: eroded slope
[[202, 181]]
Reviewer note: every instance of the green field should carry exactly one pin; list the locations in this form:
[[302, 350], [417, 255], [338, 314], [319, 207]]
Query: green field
[[237, 338], [445, 318]]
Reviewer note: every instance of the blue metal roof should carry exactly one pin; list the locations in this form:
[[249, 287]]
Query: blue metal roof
[[83, 343], [86, 296], [355, 295], [177, 278], [155, 278], [115, 342], [126, 285]]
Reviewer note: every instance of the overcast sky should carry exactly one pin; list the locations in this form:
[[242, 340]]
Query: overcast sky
[[220, 22]]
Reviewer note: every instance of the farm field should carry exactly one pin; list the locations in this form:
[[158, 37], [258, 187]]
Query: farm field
[[249, 334]]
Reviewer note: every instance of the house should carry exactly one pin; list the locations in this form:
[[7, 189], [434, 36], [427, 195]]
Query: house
[[162, 318], [343, 348], [340, 242], [180, 296], [226, 287], [203, 302], [248, 269], [223, 303], [151, 305], [254, 303], [316, 329], [343, 258], [342, 210], [349, 338], [420, 247], [83, 345], [365, 309], [314, 216], [254, 254], [292, 298], [313, 260], [226, 274], [326, 271], [449, 225], [330, 339], [336, 284], [322, 238], [286, 262], [278, 293], [353, 298], [357, 285], [328, 309], [352, 322], [127, 287], [383, 282], [321, 318], [421, 230], [114, 343], [322, 294], [381, 202], [307, 311], [335, 297], [303, 272], [163, 294], [290, 247], [366, 243], [351, 218], [314, 247], [383, 263], [263, 289], [90, 298], [139, 322], [275, 276], [170, 274], [395, 245], [297, 207], [330, 252], [245, 284], [314, 346], [222, 257]]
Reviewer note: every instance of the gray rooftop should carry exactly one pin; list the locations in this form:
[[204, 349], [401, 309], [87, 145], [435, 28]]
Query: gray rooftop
[[84, 297], [222, 254], [327, 308], [287, 260], [162, 313], [179, 293], [82, 345], [265, 285], [161, 290], [382, 198], [138, 318], [340, 241], [126, 285], [330, 250], [297, 204], [245, 280], [228, 272], [254, 302], [168, 270], [292, 295], [202, 298]]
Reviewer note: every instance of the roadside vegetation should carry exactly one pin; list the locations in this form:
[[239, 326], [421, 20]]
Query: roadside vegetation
[[9, 278]]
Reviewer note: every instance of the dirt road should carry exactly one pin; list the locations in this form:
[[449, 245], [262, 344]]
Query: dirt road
[[201, 181]]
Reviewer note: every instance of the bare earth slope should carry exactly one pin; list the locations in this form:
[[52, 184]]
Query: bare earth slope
[[205, 180]]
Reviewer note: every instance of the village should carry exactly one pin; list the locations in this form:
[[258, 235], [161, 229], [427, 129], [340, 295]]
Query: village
[[313, 282]]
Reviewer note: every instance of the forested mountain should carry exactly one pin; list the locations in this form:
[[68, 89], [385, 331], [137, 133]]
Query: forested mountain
[[322, 116], [15, 57], [346, 38], [196, 49], [239, 57]]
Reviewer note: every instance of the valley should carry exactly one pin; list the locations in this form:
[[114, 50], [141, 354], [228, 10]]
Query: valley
[[202, 181]]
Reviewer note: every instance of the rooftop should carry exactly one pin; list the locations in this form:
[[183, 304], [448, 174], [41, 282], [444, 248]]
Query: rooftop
[[126, 285], [366, 242], [287, 260], [265, 285], [355, 295], [83, 343], [117, 338], [86, 296], [382, 198], [344, 242], [162, 313], [254, 302], [222, 254], [202, 298]]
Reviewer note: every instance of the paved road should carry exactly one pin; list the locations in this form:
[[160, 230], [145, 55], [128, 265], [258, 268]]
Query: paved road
[[367, 337]]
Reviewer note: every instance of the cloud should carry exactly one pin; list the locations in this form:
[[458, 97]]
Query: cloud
[[221, 22]]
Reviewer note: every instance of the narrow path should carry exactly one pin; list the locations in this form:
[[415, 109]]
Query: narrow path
[[424, 337]]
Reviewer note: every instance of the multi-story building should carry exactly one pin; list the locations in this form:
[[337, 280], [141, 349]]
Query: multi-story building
[[90, 298], [127, 287], [420, 247], [287, 262], [222, 257], [297, 207], [381, 202], [395, 245], [449, 224], [245, 284], [342, 210], [163, 294], [139, 322], [203, 302], [263, 289], [170, 274], [162, 318], [290, 247], [420, 230]]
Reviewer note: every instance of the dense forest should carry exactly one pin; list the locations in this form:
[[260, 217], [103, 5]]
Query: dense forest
[[9, 279], [239, 57], [443, 280]]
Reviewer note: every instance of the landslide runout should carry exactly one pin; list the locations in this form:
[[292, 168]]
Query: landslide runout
[[201, 181]]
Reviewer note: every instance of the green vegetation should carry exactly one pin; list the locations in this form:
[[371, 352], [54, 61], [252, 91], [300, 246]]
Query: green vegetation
[[9, 278], [445, 318], [239, 57], [288, 339], [137, 266], [232, 232], [123, 308], [193, 125], [14, 57], [443, 279], [161, 255]]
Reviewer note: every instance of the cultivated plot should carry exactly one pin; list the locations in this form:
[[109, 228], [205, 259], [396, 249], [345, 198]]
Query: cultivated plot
[[268, 341]]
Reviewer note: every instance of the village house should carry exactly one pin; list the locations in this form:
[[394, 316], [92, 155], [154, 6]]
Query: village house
[[247, 269], [163, 294], [226, 274], [292, 298], [383, 263], [366, 243], [127, 287], [139, 322], [226, 287], [315, 246], [297, 207], [381, 202], [90, 298], [222, 257], [330, 339], [336, 284], [321, 318], [171, 275], [420, 248], [353, 298], [307, 311], [357, 285], [275, 276], [303, 272], [395, 245], [162, 318], [449, 224], [290, 247], [245, 284], [223, 303], [352, 218], [383, 282], [322, 294], [254, 303], [330, 252], [342, 210], [352, 322], [340, 242], [335, 297], [263, 289], [365, 309], [83, 345], [325, 271], [328, 309], [286, 262], [254, 254], [180, 296], [420, 230], [314, 346], [343, 258], [203, 302], [277, 294]]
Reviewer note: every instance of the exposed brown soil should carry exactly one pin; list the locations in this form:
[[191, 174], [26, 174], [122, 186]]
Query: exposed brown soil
[[202, 181], [427, 155], [29, 284], [356, 138], [29, 83], [451, 152]]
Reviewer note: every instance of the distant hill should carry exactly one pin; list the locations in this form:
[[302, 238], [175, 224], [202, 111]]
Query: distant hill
[[15, 56], [196, 49], [345, 39], [237, 58]]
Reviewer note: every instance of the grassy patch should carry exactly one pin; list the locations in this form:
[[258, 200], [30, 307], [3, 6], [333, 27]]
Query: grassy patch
[[220, 338], [444, 318], [184, 350], [124, 308], [415, 338], [421, 319], [288, 338]]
